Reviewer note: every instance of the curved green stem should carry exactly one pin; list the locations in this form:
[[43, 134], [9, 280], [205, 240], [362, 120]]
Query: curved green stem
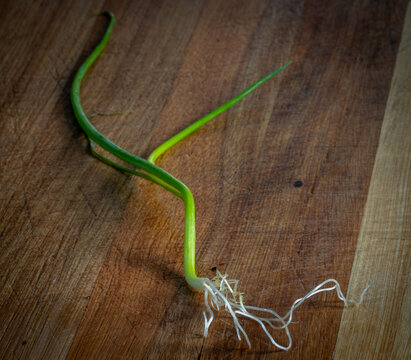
[[154, 171]]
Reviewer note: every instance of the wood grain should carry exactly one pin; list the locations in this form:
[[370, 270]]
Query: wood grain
[[383, 249], [91, 259]]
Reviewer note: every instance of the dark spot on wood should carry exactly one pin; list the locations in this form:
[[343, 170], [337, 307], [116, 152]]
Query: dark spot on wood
[[214, 268], [298, 184], [24, 342]]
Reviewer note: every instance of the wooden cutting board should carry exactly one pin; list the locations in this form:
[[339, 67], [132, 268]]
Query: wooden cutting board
[[306, 179]]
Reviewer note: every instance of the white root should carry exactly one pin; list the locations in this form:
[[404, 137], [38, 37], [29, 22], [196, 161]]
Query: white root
[[221, 292]]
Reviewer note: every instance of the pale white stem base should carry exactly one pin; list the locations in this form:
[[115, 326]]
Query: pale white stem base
[[222, 293]]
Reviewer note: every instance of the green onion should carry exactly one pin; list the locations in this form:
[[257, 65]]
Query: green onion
[[220, 292]]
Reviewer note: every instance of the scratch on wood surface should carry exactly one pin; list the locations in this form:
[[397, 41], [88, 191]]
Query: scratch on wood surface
[[27, 209], [87, 201]]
